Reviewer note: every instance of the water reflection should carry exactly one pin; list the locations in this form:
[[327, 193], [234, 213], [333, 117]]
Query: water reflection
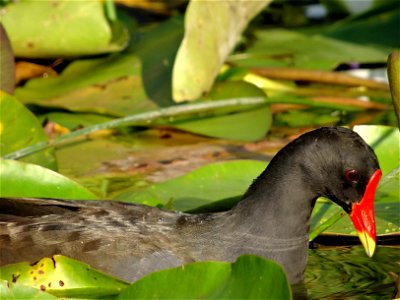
[[347, 273]]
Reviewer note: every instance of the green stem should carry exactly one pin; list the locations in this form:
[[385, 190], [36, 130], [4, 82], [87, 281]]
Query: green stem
[[137, 118], [328, 223]]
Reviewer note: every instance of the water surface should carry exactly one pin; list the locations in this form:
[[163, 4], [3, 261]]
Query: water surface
[[348, 273]]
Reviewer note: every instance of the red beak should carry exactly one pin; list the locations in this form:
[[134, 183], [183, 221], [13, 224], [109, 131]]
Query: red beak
[[362, 215]]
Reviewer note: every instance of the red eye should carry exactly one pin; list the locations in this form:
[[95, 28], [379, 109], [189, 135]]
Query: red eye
[[352, 176]]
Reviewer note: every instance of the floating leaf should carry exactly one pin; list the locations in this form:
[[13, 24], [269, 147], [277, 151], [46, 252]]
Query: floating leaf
[[63, 277], [16, 291], [130, 82], [246, 124], [61, 29], [380, 21], [19, 179], [306, 51], [19, 128], [200, 187], [250, 277]]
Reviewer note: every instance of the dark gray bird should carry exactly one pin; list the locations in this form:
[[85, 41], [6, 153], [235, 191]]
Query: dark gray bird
[[272, 220]]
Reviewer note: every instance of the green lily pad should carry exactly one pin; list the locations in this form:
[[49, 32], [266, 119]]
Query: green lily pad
[[19, 179], [63, 277], [110, 85], [307, 51], [250, 277], [244, 124], [122, 84], [380, 21], [16, 291], [212, 29], [61, 29], [19, 128], [200, 187]]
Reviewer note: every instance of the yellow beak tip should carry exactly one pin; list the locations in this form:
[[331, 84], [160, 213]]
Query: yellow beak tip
[[368, 243]]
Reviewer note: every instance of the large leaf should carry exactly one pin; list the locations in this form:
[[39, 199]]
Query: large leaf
[[381, 22], [110, 85], [133, 81], [246, 124], [61, 28], [63, 277], [19, 179], [19, 128], [250, 277], [16, 291], [200, 187], [305, 51], [212, 29]]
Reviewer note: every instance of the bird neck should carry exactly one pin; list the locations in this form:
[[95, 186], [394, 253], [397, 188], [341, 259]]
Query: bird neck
[[279, 202]]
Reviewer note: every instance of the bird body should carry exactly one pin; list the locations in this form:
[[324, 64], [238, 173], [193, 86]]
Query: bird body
[[131, 240]]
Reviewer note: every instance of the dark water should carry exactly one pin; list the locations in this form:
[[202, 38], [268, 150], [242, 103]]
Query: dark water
[[347, 273]]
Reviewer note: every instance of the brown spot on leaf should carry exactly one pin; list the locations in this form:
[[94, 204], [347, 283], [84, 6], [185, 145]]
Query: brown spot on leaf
[[61, 283], [30, 45], [34, 278], [42, 287], [15, 277], [49, 284], [41, 272]]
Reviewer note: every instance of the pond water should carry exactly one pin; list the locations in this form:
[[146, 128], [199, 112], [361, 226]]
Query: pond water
[[348, 273]]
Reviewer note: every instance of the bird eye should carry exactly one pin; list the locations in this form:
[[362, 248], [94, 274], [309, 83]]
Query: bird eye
[[352, 176]]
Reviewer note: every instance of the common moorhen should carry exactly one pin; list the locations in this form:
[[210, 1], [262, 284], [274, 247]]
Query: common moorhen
[[272, 219]]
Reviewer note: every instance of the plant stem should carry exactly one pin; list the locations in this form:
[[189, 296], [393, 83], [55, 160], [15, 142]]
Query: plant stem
[[319, 76], [137, 118]]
